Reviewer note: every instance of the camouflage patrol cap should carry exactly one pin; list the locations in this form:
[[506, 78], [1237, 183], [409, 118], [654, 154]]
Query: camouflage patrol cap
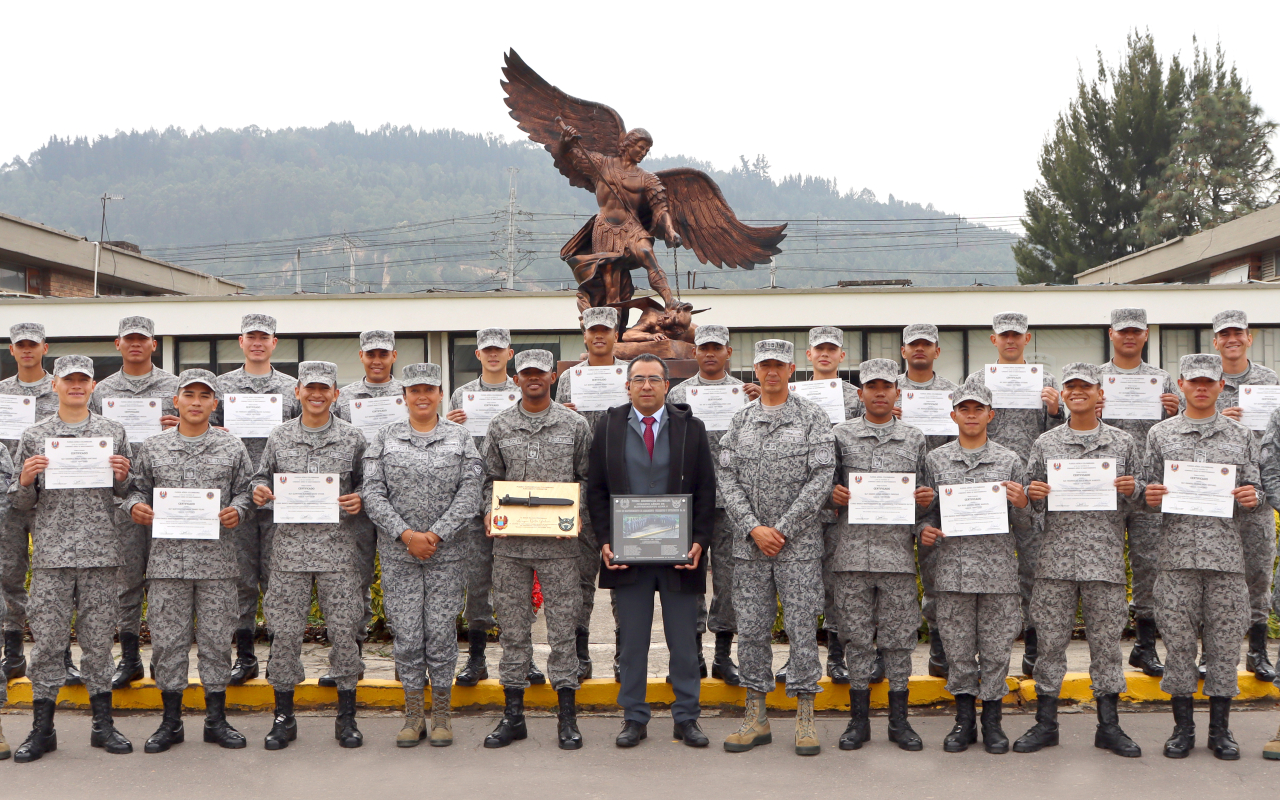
[[493, 337], [1200, 365], [971, 390], [826, 334], [424, 374], [27, 332], [1230, 319], [717, 334], [70, 365], [1007, 321], [599, 315], [775, 349], [535, 359], [377, 340], [878, 369], [203, 376], [325, 372], [140, 325], [918, 331], [1122, 318], [258, 322], [1081, 371]]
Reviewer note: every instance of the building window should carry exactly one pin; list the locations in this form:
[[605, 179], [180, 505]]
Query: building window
[[1178, 342], [464, 366], [950, 363], [231, 357], [13, 278], [1053, 347]]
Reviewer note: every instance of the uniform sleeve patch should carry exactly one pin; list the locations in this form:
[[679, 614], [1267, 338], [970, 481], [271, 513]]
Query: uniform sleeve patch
[[726, 458], [823, 454]]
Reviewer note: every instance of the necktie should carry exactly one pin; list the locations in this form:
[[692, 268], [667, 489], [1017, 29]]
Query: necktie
[[648, 434]]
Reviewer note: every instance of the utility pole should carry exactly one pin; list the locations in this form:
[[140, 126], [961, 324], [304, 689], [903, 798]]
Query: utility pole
[[773, 274], [297, 272], [102, 229], [511, 230]]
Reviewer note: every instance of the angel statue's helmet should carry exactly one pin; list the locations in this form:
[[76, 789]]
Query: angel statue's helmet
[[635, 135]]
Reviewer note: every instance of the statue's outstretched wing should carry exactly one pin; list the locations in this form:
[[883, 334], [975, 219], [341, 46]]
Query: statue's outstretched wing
[[535, 104], [708, 225]]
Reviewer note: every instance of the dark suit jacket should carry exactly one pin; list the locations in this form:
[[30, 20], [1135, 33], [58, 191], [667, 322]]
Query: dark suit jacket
[[692, 472]]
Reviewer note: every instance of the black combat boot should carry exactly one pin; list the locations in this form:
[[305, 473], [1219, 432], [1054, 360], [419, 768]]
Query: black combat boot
[[994, 739], [900, 730], [938, 667], [511, 727], [129, 667], [567, 730], [1203, 667], [1109, 735], [1221, 742], [246, 666], [702, 660], [216, 728], [14, 664], [43, 738], [583, 643], [103, 733], [837, 670], [781, 675], [344, 727], [329, 682], [877, 667], [170, 731], [284, 727], [1183, 740], [1256, 660], [722, 665], [476, 669], [535, 675], [1030, 652], [1045, 732], [965, 731], [74, 678], [858, 731], [1144, 655]]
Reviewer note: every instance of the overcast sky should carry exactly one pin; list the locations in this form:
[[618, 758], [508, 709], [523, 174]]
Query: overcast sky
[[940, 103]]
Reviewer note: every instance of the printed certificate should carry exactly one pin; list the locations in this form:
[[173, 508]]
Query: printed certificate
[[1132, 397], [252, 416], [17, 413], [598, 388], [1015, 385], [303, 497], [1081, 484], [970, 509], [930, 411], [1257, 403], [481, 407], [1199, 489], [716, 405], [78, 464], [371, 413], [882, 498], [829, 394], [140, 416], [186, 513]]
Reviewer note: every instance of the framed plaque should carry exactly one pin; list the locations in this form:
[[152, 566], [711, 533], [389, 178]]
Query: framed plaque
[[530, 508], [652, 528]]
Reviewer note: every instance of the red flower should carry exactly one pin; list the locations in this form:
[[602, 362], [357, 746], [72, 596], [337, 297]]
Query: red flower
[[537, 593]]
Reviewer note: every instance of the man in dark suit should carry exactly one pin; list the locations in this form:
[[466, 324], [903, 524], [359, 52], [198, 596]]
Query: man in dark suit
[[651, 447]]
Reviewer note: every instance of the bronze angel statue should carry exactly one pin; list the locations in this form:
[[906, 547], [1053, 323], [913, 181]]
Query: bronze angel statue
[[595, 151]]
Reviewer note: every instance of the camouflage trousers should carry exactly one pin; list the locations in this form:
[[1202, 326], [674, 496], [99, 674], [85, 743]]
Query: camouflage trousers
[[91, 594], [978, 632], [561, 603], [253, 557], [15, 559], [758, 585], [926, 562], [286, 606], [479, 573], [1208, 605], [135, 548], [366, 552], [830, 609], [720, 564], [422, 601], [172, 606], [1258, 536], [1028, 543], [1144, 553], [878, 609], [1053, 609], [588, 571]]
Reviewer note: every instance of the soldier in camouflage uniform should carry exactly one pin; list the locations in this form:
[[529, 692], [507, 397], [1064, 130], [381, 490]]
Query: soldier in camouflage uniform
[[873, 567], [1269, 467], [75, 559], [776, 467], [1017, 429], [493, 351], [422, 488], [192, 581], [1128, 334], [323, 555], [138, 377], [599, 334], [6, 478], [28, 348], [257, 376], [712, 351], [1081, 561], [536, 440], [1200, 587], [920, 349], [976, 577]]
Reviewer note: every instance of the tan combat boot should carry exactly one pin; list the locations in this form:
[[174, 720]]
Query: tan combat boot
[[1270, 750], [806, 735], [755, 726], [4, 746], [415, 723], [441, 730]]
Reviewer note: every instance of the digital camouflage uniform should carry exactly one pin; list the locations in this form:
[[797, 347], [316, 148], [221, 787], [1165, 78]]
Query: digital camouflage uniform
[[553, 446], [1269, 467], [423, 482], [775, 468], [191, 580], [321, 554], [1082, 560], [976, 577], [1200, 586], [874, 566], [74, 561]]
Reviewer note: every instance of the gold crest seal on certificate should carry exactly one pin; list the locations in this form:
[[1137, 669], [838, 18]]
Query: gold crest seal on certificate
[[527, 508]]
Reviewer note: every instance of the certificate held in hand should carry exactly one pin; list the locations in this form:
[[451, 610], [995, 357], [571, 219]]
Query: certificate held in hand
[[829, 394], [1081, 484], [186, 513], [970, 509], [1132, 397], [882, 498], [716, 405], [598, 388], [1015, 385], [78, 464], [371, 413], [140, 416], [303, 497], [17, 413], [1257, 403], [252, 416], [1199, 489], [930, 411], [482, 407]]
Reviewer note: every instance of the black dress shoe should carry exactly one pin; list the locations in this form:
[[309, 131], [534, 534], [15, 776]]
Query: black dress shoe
[[633, 733], [689, 733]]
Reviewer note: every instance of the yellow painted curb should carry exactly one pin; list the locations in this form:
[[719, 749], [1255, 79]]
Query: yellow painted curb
[[1145, 689]]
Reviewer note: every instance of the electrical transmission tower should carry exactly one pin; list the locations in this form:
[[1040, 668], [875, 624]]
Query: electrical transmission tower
[[511, 230]]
